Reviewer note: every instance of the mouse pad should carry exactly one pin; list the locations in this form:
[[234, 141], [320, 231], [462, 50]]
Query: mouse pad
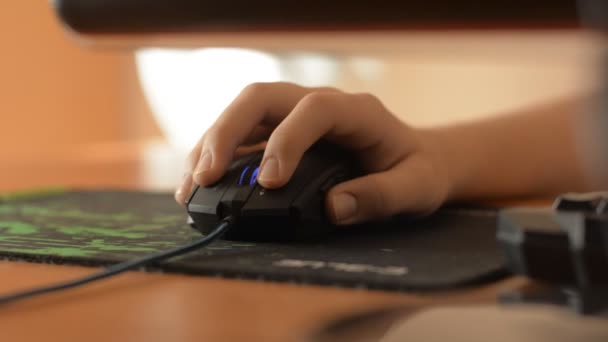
[[454, 247]]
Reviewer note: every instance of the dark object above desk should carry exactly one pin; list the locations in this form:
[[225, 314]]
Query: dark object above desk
[[566, 247], [149, 16]]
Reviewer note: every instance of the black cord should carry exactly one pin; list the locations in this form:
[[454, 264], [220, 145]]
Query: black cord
[[113, 270]]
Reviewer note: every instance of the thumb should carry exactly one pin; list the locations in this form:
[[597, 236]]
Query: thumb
[[408, 187]]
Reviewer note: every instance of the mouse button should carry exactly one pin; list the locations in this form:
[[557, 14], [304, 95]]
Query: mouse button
[[268, 202], [279, 200], [205, 199], [233, 200]]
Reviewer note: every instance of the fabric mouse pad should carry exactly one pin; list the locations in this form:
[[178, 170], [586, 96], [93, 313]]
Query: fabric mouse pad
[[454, 247]]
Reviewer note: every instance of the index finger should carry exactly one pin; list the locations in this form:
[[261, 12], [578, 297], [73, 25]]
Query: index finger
[[258, 103]]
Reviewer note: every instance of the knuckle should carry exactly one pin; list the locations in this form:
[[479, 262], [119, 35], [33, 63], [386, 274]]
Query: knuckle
[[254, 89], [328, 90], [318, 100], [365, 96], [368, 99]]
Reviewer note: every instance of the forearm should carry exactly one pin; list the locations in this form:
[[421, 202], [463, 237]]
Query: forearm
[[524, 154]]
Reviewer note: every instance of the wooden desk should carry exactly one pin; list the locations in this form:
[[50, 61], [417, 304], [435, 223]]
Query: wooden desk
[[155, 307]]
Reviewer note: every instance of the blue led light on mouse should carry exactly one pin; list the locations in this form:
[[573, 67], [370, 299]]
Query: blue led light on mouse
[[248, 175], [254, 176], [243, 173]]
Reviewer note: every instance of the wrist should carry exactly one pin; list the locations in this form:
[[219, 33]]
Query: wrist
[[450, 160]]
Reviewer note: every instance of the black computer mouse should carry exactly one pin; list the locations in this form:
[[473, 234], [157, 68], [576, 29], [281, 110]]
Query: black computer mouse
[[295, 211]]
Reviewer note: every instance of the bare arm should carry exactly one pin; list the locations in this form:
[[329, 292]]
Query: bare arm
[[533, 152]]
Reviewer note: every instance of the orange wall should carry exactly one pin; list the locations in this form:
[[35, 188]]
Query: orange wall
[[55, 92]]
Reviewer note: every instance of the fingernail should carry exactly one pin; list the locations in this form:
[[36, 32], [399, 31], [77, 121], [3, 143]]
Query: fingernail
[[180, 193], [204, 164], [344, 206], [270, 170]]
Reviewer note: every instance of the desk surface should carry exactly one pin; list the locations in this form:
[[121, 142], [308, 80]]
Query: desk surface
[[156, 307]]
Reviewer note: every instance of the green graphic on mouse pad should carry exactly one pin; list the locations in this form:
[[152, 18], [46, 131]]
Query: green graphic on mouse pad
[[450, 248]]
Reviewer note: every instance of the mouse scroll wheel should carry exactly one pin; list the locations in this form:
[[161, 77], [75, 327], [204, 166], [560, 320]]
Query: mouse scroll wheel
[[249, 175]]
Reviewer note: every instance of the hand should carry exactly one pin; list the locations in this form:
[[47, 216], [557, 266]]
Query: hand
[[404, 169]]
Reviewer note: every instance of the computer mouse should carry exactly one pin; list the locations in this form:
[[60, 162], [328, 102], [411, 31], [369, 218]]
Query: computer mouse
[[295, 211]]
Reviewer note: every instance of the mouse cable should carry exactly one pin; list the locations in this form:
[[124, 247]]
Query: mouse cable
[[113, 270]]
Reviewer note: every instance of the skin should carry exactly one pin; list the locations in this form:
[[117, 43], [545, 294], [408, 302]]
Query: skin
[[408, 170]]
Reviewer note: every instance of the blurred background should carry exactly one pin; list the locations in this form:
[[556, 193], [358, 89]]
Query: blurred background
[[54, 91], [60, 93]]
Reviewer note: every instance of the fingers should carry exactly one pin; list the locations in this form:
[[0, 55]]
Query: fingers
[[287, 119], [301, 116], [183, 191], [409, 187], [312, 118], [260, 103], [347, 119]]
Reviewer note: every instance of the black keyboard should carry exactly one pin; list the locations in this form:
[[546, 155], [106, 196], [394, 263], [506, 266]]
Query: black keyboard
[[566, 246]]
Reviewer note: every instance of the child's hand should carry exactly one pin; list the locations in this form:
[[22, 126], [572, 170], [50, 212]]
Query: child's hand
[[405, 171]]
